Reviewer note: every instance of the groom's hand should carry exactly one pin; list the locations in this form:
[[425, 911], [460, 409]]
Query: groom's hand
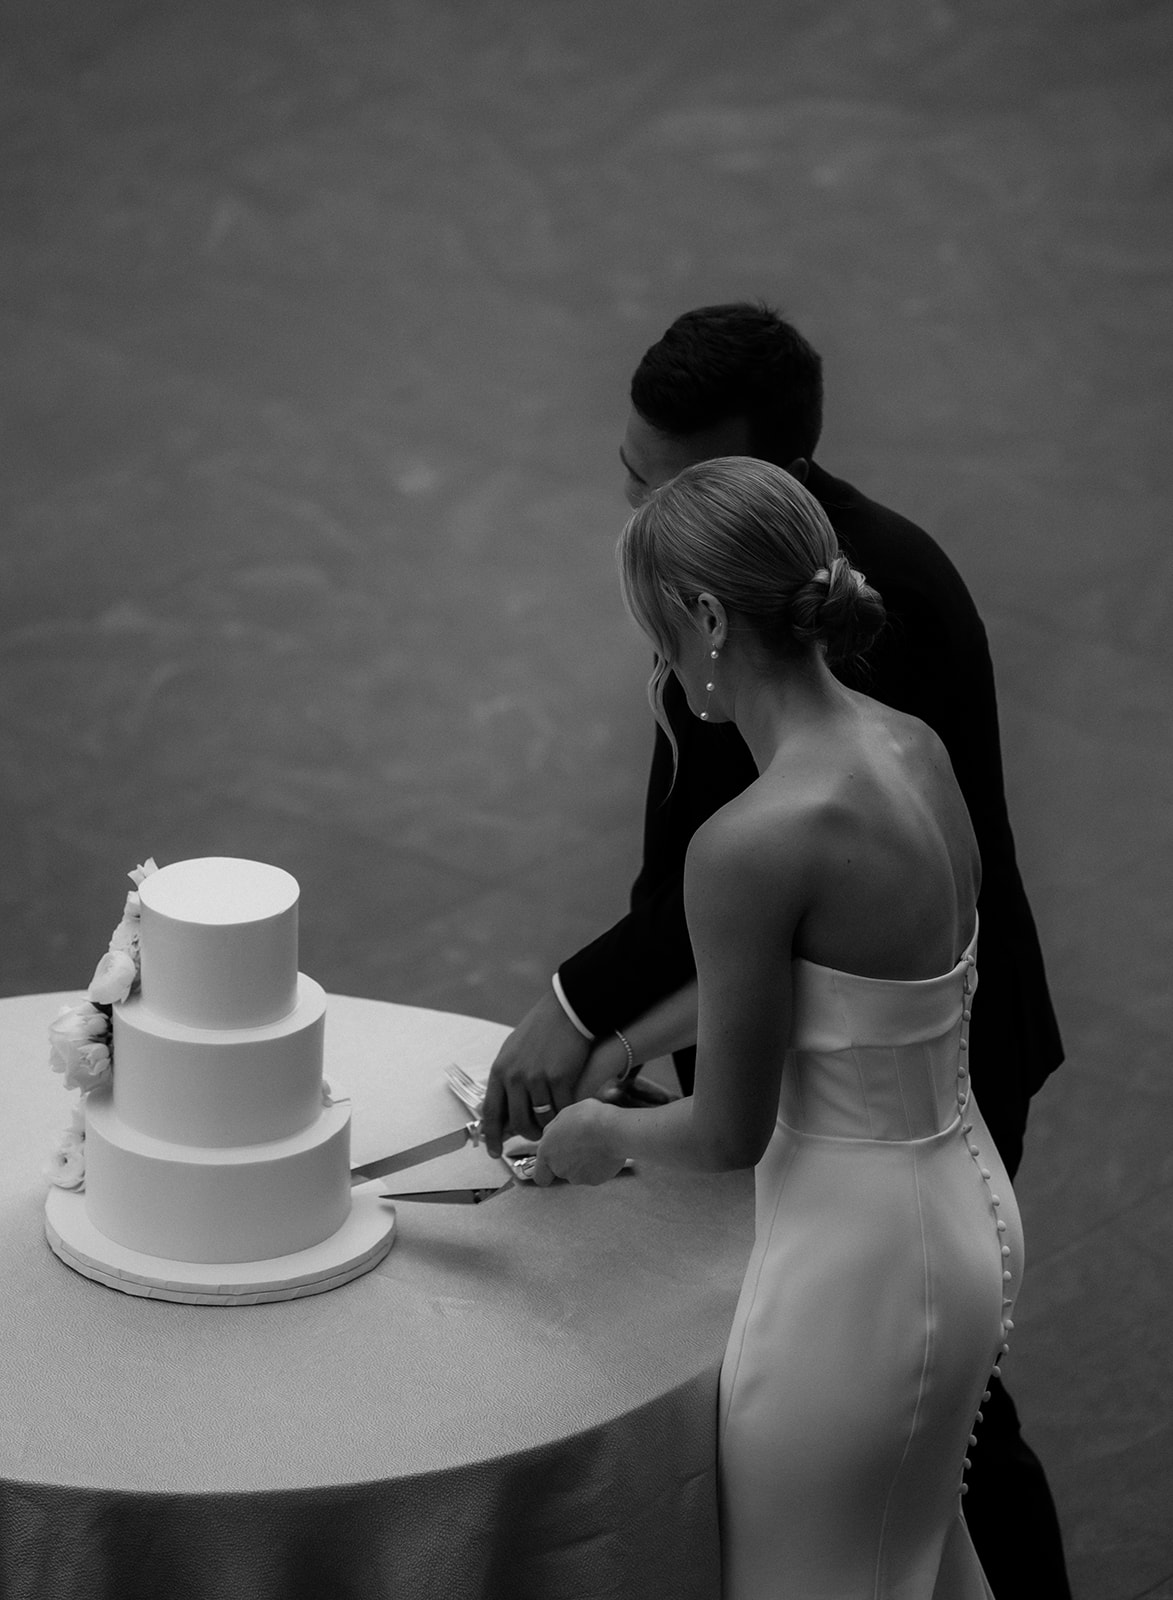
[[538, 1066]]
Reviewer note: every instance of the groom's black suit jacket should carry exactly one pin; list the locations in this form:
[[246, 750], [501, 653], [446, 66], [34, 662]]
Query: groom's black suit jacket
[[933, 661]]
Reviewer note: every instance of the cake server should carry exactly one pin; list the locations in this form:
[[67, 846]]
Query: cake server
[[419, 1153]]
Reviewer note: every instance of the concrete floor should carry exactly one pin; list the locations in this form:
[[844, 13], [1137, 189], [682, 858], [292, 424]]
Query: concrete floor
[[317, 324]]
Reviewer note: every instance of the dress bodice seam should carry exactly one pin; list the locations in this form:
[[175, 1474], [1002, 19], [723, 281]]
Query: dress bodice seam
[[922, 1140]]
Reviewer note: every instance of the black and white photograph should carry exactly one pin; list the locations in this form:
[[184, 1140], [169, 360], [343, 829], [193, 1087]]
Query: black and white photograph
[[586, 764]]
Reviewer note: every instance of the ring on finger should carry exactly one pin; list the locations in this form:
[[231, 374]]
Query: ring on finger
[[542, 1111]]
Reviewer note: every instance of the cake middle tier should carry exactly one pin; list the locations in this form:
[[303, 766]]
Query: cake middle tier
[[220, 1087], [188, 1203]]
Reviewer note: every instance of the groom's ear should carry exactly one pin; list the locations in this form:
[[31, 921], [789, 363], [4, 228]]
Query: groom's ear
[[799, 468]]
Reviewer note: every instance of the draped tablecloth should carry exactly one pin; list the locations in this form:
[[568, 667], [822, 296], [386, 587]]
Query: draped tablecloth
[[519, 1401]]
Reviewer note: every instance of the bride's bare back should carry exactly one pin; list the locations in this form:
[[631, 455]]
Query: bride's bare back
[[854, 850], [868, 802]]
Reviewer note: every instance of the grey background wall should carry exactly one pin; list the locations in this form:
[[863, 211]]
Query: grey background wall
[[317, 325]]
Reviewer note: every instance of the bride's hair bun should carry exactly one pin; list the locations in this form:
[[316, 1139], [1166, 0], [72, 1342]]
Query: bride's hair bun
[[837, 608]]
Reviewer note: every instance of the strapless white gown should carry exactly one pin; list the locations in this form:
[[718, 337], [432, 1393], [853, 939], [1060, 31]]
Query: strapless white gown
[[878, 1297]]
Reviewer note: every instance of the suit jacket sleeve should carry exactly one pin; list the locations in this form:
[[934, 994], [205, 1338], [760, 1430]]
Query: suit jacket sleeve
[[648, 954]]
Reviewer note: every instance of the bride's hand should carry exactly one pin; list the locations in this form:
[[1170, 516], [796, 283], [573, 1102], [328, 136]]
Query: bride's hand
[[581, 1145]]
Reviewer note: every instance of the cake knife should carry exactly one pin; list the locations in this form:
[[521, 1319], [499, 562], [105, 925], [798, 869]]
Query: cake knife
[[455, 1197], [419, 1153]]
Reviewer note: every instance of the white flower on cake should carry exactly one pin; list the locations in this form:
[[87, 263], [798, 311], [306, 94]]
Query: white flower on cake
[[81, 1036], [114, 977], [67, 1165], [79, 1046], [117, 972]]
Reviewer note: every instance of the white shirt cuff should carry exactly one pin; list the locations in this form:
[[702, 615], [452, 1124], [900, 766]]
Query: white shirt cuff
[[569, 1009]]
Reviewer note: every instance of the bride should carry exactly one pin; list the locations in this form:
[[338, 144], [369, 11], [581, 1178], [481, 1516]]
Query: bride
[[832, 911]]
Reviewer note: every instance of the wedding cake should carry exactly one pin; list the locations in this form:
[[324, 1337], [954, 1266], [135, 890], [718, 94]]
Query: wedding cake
[[215, 1160]]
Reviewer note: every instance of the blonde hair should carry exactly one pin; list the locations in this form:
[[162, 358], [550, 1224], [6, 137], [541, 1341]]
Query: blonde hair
[[750, 534]]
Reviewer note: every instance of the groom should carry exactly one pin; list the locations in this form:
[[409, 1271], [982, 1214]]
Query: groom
[[738, 380]]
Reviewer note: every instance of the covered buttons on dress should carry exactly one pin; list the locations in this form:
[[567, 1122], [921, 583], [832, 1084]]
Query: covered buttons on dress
[[963, 1094]]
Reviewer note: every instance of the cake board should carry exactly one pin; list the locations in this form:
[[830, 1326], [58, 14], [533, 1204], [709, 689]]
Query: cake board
[[359, 1245]]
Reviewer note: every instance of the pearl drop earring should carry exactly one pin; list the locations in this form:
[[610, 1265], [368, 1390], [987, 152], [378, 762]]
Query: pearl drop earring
[[709, 687]]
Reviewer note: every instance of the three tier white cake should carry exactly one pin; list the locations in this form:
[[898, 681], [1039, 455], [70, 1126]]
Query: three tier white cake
[[217, 1169]]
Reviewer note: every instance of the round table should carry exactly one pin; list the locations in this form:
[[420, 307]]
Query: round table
[[519, 1401]]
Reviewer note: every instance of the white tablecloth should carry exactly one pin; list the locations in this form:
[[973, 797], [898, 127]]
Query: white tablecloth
[[519, 1400]]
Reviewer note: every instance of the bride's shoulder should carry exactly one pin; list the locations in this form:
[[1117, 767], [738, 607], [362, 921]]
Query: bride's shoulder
[[900, 733], [768, 829], [750, 871]]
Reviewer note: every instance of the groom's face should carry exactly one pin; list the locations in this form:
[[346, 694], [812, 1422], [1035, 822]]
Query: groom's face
[[651, 458]]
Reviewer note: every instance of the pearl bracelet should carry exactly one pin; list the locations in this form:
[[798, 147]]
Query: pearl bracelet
[[630, 1069]]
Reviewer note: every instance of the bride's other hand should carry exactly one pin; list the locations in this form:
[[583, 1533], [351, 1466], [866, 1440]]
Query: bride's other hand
[[534, 1075], [581, 1145]]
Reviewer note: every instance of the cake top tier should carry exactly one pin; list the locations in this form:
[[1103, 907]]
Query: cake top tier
[[219, 889], [219, 942]]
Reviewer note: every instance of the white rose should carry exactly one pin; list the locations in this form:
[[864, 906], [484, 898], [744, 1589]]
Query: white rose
[[114, 977], [139, 873], [67, 1165]]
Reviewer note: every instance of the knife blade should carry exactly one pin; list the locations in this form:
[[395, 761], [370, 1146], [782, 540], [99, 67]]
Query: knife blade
[[458, 1197], [443, 1146]]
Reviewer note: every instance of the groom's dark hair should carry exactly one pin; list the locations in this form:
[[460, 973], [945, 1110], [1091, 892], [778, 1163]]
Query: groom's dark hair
[[737, 360]]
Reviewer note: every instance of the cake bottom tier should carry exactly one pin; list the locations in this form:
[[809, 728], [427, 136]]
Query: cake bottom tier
[[359, 1245], [195, 1204]]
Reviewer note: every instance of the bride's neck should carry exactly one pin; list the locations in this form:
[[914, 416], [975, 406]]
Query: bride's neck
[[772, 711]]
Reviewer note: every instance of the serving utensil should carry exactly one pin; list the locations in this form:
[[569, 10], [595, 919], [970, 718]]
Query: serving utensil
[[444, 1145]]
